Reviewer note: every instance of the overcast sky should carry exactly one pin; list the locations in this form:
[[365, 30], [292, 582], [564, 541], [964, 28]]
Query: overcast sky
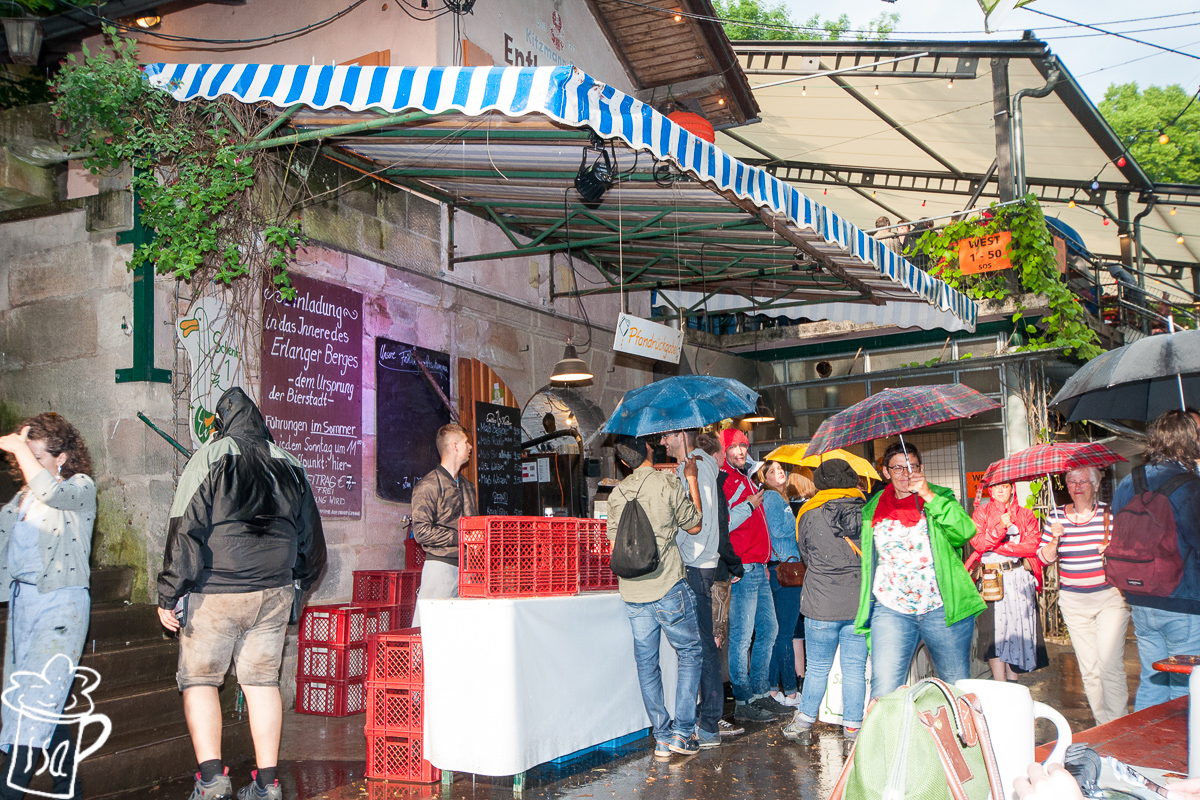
[[1094, 59]]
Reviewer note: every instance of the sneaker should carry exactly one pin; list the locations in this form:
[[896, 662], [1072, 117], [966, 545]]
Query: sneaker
[[850, 734], [798, 729], [662, 749], [255, 792], [684, 745], [772, 707], [219, 788], [790, 700], [749, 712], [726, 728], [707, 740]]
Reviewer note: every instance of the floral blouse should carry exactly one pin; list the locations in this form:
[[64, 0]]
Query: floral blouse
[[905, 580]]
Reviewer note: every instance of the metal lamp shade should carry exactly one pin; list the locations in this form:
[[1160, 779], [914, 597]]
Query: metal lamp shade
[[572, 368], [24, 35], [762, 413]]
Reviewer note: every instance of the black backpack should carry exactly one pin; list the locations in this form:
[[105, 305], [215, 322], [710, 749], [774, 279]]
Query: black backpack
[[635, 550], [1143, 556]]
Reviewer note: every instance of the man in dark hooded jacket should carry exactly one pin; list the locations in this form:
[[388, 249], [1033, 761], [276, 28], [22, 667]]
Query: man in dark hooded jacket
[[243, 527]]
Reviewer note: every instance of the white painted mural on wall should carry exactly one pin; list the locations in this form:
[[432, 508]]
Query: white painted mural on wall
[[210, 340]]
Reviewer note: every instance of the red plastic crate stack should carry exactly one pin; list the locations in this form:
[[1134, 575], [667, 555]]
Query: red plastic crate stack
[[414, 554], [518, 556], [393, 590], [594, 551], [331, 672], [395, 708]]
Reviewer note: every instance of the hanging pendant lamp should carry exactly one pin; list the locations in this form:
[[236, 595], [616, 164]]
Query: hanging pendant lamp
[[571, 368]]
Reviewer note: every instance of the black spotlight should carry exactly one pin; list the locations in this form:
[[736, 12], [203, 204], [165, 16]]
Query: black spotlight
[[592, 182]]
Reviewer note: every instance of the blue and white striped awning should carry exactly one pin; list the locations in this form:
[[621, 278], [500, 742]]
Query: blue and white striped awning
[[571, 98]]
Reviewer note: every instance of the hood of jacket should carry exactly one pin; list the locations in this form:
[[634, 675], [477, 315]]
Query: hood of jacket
[[239, 417]]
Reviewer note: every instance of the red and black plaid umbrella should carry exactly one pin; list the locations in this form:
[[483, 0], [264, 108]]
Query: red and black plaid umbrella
[[897, 411], [1049, 459]]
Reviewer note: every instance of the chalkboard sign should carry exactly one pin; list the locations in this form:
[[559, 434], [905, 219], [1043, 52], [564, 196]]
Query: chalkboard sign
[[408, 414], [497, 457], [312, 350]]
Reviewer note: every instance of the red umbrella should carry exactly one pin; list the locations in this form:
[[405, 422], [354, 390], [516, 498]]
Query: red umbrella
[[1041, 460], [897, 411]]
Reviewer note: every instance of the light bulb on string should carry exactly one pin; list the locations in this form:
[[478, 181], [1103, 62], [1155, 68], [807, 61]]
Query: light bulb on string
[[922, 204], [1095, 185], [1105, 220], [1071, 204], [1179, 239], [678, 18], [826, 191], [804, 91], [1173, 210], [1163, 138], [1121, 161], [951, 84], [877, 90], [720, 101]]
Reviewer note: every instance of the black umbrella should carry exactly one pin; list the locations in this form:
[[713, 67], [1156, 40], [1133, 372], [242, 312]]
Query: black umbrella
[[1138, 381]]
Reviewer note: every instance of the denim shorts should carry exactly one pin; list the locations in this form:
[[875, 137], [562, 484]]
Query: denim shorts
[[247, 628]]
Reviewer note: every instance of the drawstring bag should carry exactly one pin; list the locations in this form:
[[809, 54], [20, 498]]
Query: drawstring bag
[[635, 549]]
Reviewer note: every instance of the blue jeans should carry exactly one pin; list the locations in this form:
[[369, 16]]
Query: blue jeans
[[751, 612], [712, 687], [894, 640], [821, 640], [674, 615], [1161, 634], [782, 672]]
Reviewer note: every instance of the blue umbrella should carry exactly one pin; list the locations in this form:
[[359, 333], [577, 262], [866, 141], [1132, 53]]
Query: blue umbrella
[[685, 401]]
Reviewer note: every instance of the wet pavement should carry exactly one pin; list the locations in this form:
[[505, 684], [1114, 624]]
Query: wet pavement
[[323, 759]]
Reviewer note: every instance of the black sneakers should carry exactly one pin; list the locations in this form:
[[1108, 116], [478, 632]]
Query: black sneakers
[[751, 712]]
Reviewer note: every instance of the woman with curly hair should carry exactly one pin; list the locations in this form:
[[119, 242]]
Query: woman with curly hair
[[45, 546]]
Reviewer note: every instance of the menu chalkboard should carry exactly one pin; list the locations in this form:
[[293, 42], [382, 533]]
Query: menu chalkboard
[[312, 386], [408, 414], [497, 457]]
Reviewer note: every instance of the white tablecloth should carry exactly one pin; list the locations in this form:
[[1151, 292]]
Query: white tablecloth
[[513, 683]]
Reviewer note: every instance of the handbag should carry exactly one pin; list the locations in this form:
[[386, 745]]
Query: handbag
[[929, 741], [791, 573], [991, 585]]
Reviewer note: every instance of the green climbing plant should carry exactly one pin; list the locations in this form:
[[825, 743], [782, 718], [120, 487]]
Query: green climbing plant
[[195, 180], [1032, 255]]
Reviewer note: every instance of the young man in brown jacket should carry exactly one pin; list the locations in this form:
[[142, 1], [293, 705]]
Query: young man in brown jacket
[[438, 501]]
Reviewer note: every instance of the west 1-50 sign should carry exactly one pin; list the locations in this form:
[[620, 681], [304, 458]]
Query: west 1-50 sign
[[984, 253]]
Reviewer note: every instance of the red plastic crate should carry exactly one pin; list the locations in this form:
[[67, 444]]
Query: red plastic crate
[[386, 587], [414, 554], [331, 698], [396, 756], [594, 552], [404, 616], [378, 619], [333, 624], [395, 658], [517, 556], [332, 662], [395, 708]]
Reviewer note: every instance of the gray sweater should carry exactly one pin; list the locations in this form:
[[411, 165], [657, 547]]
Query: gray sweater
[[65, 540], [700, 549], [831, 586]]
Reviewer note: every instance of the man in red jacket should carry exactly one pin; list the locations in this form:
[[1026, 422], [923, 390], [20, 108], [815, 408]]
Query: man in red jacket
[[751, 611]]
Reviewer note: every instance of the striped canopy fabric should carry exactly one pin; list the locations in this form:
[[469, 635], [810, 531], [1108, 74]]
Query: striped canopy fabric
[[1049, 459], [901, 410], [571, 98]]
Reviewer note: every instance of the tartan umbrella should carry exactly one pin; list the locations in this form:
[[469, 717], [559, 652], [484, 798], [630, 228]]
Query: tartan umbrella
[[1041, 460], [897, 411]]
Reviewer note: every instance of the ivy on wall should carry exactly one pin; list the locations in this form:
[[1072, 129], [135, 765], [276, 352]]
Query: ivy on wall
[[194, 178], [1033, 259]]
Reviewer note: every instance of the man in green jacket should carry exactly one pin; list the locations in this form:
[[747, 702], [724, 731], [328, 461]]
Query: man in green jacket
[[915, 587]]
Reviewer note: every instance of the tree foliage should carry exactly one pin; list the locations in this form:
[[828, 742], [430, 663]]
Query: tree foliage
[[758, 19], [1139, 116]]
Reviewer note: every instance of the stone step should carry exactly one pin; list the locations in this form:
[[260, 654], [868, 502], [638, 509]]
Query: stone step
[[115, 624], [148, 705], [138, 663], [111, 584]]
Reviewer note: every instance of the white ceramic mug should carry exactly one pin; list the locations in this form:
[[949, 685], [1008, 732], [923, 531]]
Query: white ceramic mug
[[1010, 711]]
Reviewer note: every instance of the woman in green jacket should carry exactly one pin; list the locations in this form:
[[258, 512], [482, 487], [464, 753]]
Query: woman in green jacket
[[915, 587]]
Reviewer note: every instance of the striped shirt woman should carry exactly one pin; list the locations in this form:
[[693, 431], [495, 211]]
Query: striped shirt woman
[[1080, 566], [1095, 612]]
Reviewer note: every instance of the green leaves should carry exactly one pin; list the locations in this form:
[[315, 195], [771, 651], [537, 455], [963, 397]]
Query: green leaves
[[1032, 255], [195, 188]]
